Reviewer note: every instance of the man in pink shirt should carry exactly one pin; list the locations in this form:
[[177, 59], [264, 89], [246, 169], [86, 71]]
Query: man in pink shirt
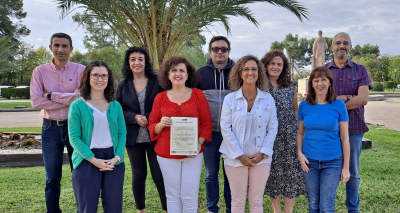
[[53, 89]]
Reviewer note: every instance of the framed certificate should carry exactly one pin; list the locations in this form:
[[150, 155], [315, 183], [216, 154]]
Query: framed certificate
[[184, 136]]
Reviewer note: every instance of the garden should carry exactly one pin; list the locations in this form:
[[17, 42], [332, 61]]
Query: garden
[[22, 189]]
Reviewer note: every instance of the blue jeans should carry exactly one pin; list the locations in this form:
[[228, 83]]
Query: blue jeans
[[352, 186], [212, 158], [54, 138], [322, 182]]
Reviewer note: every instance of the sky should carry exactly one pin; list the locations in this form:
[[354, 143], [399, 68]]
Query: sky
[[367, 21]]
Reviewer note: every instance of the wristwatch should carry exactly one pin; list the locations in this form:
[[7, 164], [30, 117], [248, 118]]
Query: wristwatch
[[49, 96], [265, 156]]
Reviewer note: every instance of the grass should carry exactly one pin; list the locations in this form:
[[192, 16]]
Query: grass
[[22, 189], [11, 105], [21, 129]]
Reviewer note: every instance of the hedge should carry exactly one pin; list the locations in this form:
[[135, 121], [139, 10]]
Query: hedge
[[378, 86], [389, 84], [16, 93]]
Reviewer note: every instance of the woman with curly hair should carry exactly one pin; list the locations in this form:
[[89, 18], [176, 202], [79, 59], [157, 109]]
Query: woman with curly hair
[[181, 172], [285, 177], [248, 126], [136, 94]]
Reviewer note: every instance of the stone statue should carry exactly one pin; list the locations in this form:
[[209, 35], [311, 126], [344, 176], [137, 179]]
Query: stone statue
[[319, 48]]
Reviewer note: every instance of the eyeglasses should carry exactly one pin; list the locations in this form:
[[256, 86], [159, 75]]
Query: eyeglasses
[[252, 69], [97, 76], [217, 49]]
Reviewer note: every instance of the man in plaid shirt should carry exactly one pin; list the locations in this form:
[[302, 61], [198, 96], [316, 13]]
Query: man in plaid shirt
[[352, 86]]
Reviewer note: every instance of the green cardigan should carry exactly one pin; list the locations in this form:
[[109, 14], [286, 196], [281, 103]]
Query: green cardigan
[[80, 128]]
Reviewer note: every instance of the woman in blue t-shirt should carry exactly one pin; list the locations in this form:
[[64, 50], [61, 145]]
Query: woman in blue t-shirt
[[323, 141]]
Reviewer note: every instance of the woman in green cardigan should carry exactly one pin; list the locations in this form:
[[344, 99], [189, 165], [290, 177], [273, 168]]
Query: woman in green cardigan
[[97, 133]]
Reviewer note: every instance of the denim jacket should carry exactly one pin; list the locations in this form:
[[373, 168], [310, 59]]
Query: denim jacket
[[233, 121]]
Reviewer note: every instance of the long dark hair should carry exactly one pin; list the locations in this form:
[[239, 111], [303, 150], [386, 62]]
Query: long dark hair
[[126, 69], [320, 71], [85, 87], [285, 78]]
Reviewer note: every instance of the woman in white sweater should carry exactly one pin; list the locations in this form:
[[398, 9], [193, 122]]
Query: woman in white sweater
[[249, 127]]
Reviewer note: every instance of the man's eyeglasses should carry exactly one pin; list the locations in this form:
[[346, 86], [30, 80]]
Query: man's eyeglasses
[[252, 69], [217, 49], [97, 76]]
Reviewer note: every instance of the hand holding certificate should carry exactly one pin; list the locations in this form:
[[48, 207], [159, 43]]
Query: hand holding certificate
[[184, 136]]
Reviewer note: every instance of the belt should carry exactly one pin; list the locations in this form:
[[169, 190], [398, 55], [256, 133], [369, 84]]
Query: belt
[[56, 122]]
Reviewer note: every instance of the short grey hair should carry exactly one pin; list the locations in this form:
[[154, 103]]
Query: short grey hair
[[348, 36]]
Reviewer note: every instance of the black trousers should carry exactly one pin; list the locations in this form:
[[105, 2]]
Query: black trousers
[[89, 184], [137, 157]]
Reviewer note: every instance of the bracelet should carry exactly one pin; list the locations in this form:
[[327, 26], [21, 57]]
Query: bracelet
[[348, 98], [118, 158]]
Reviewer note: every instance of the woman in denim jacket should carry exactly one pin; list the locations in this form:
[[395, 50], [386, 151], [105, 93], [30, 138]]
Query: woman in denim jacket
[[249, 127]]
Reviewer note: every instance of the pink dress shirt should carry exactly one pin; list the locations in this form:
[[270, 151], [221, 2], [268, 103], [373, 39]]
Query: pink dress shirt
[[60, 83]]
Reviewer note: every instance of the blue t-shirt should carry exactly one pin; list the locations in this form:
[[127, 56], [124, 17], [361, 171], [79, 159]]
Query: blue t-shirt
[[321, 122]]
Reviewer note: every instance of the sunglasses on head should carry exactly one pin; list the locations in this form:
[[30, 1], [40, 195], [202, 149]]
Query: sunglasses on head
[[217, 49]]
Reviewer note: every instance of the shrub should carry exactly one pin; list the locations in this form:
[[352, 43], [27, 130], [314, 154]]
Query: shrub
[[15, 136], [29, 136], [377, 86], [389, 84], [7, 92], [28, 142], [11, 143], [16, 93]]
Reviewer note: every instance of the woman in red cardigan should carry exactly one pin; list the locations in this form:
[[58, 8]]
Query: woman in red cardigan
[[181, 172]]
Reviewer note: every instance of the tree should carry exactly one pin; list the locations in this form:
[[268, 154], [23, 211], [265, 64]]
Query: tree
[[98, 34], [301, 50], [21, 61], [114, 59], [378, 67], [77, 57], [365, 50], [194, 52], [6, 50], [163, 27], [394, 65], [12, 10], [11, 30], [301, 73]]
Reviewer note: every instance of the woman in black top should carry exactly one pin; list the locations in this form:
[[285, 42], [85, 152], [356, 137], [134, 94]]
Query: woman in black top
[[136, 94]]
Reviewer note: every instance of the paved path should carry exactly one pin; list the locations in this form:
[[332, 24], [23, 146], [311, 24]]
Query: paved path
[[20, 119], [15, 100], [385, 112]]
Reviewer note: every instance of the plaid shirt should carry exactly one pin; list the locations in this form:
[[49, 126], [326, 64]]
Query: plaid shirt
[[347, 81]]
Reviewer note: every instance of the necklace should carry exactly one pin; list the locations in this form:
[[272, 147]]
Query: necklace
[[250, 99], [139, 82]]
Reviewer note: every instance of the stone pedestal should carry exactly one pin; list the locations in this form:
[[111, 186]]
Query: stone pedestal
[[302, 85], [366, 144]]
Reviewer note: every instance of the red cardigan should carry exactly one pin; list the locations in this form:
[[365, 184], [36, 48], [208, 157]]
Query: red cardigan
[[196, 106]]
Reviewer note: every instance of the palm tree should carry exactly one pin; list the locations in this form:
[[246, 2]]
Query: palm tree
[[163, 27]]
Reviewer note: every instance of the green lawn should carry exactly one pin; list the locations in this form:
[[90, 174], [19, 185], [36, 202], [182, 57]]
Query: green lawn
[[22, 189], [21, 129], [11, 105]]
